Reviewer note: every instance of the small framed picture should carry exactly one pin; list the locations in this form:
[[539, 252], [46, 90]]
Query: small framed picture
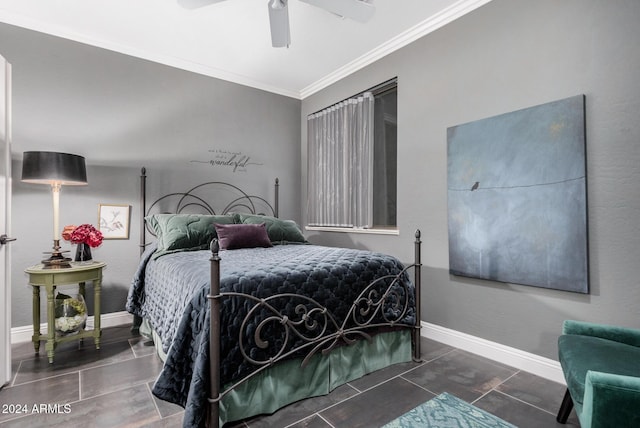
[[113, 221]]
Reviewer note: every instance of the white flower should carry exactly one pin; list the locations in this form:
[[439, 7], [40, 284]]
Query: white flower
[[66, 324]]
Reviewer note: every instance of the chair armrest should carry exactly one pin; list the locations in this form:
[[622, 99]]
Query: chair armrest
[[610, 400], [624, 335]]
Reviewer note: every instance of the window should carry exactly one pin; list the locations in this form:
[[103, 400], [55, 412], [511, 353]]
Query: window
[[352, 162], [385, 157]]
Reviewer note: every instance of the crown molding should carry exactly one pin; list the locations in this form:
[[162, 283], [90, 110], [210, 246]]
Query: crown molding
[[195, 67], [427, 26]]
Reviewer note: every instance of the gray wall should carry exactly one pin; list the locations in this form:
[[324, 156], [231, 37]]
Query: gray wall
[[505, 56], [123, 113]]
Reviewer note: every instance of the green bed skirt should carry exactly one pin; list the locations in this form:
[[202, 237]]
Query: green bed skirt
[[287, 382]]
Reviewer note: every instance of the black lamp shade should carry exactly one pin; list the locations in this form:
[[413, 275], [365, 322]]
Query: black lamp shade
[[53, 167]]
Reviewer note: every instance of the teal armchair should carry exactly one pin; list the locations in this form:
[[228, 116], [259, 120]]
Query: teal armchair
[[601, 365]]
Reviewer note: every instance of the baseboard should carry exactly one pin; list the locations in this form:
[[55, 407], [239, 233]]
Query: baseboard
[[532, 363], [539, 366], [24, 333]]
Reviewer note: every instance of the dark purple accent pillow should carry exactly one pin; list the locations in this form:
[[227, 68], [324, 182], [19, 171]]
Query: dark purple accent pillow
[[233, 236]]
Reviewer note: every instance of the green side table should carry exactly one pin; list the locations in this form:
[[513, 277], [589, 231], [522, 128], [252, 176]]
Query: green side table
[[78, 273]]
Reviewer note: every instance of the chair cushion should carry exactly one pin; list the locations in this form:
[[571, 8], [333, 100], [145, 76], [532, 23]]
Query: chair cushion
[[579, 354]]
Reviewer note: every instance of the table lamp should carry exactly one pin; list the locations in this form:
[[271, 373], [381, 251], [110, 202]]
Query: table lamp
[[56, 169]]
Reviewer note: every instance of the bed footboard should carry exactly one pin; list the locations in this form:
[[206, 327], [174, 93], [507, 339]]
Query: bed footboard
[[371, 309]]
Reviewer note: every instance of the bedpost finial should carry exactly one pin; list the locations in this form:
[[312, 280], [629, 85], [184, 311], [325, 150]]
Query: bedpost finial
[[418, 234], [277, 181], [215, 246], [143, 171]]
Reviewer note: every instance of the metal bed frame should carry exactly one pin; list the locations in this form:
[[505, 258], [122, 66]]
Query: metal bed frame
[[312, 322]]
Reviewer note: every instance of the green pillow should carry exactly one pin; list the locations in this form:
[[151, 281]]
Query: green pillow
[[185, 232], [279, 231]]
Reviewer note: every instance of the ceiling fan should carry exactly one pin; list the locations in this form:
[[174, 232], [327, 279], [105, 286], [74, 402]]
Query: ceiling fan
[[358, 10]]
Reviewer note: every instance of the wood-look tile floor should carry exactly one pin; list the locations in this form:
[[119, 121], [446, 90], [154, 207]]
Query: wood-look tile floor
[[111, 387]]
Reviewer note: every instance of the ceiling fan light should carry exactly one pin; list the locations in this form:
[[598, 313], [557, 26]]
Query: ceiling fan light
[[277, 4]]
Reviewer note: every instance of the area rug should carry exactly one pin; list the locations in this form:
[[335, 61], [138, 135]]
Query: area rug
[[445, 411]]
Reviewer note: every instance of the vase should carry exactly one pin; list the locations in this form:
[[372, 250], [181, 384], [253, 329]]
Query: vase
[[70, 314], [83, 253]]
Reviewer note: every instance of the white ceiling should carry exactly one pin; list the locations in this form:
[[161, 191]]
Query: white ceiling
[[230, 40]]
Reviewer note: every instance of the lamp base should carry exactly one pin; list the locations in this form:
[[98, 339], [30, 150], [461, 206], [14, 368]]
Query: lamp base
[[57, 259]]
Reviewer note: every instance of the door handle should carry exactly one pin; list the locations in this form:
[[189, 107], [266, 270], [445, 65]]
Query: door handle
[[4, 239]]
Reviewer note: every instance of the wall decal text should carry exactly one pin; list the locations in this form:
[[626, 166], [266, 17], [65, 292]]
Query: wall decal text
[[236, 160]]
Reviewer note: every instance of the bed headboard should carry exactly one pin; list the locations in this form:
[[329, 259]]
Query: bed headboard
[[213, 197]]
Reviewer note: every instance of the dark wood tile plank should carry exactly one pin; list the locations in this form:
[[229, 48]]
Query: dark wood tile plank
[[142, 346], [539, 392], [377, 377], [52, 390], [465, 375], [168, 422], [314, 421], [301, 409], [131, 407], [165, 408], [430, 349], [519, 413], [377, 406], [72, 360], [23, 350], [119, 375], [117, 334]]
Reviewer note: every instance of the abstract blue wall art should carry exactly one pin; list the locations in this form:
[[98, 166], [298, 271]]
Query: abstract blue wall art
[[517, 199]]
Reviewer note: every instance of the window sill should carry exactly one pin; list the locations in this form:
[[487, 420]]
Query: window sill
[[389, 231]]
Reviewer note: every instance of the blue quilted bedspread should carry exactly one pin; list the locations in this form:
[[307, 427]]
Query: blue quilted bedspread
[[171, 293]]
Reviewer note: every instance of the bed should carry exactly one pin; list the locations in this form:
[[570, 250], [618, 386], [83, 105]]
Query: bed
[[249, 317]]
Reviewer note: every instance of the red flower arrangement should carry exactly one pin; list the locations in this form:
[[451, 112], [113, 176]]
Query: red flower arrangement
[[83, 234]]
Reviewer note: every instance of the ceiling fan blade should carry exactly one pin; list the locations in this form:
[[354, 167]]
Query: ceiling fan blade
[[279, 22], [358, 10], [194, 4]]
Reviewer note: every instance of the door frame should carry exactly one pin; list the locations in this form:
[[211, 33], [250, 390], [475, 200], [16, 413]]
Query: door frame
[[5, 225]]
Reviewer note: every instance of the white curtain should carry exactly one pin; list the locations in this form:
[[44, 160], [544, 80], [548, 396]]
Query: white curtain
[[340, 164]]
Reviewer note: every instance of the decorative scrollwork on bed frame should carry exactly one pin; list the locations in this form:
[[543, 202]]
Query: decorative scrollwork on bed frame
[[312, 328], [191, 200], [313, 325], [383, 303]]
